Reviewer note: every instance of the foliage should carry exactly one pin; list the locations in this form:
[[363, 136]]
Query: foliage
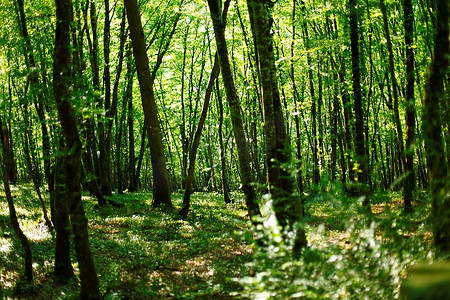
[[346, 256]]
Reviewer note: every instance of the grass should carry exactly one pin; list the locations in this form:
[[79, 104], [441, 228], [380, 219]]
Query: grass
[[140, 252]]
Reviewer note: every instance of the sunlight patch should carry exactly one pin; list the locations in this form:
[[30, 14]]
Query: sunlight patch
[[5, 247]]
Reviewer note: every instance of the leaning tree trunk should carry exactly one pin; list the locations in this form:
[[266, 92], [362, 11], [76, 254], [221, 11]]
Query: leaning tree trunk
[[161, 186], [247, 176], [61, 86], [198, 132], [432, 132]]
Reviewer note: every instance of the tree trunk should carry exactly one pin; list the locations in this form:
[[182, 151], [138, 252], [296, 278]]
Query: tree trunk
[[63, 265], [61, 86], [161, 186], [39, 105], [410, 107], [432, 132], [247, 176], [278, 153], [360, 155]]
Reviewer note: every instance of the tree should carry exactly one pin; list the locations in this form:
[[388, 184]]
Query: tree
[[63, 270], [278, 153], [432, 132], [161, 187], [360, 152], [62, 80], [247, 176], [195, 143], [410, 107]]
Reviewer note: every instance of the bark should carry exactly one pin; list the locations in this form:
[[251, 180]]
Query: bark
[[247, 176], [432, 132], [161, 186], [61, 86]]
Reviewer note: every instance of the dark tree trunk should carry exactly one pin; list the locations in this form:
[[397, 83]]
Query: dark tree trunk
[[39, 105], [105, 134], [63, 265], [62, 81], [432, 132], [161, 186], [196, 141], [410, 108], [316, 171]]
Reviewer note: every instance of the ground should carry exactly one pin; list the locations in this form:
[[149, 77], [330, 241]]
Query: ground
[[140, 252], [146, 253]]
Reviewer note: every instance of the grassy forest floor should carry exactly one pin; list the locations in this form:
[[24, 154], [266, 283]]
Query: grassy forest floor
[[143, 253]]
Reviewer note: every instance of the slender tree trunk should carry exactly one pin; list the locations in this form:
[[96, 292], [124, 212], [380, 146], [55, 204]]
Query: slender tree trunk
[[316, 171], [61, 86], [348, 117], [296, 118], [105, 134], [184, 139], [223, 163], [247, 176], [161, 186], [196, 141], [432, 132]]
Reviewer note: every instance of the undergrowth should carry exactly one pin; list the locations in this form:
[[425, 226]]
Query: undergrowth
[[348, 256]]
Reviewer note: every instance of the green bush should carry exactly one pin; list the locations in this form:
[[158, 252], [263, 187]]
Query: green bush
[[368, 261]]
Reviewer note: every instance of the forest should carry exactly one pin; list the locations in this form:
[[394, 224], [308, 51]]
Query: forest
[[224, 149]]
